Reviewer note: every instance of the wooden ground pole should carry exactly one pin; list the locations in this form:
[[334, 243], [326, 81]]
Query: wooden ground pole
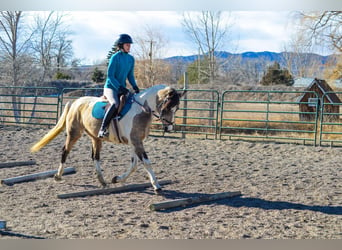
[[16, 164], [36, 176], [192, 200], [104, 191]]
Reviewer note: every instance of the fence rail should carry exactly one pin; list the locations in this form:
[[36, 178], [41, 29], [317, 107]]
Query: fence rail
[[29, 105], [235, 114], [266, 115]]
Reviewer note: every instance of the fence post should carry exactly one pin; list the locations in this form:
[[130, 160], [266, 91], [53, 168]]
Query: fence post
[[185, 103]]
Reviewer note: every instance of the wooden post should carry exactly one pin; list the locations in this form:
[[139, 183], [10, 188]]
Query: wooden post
[[16, 164], [192, 200], [32, 177], [104, 191]]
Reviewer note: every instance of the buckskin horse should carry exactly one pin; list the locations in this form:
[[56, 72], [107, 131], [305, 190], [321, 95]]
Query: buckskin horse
[[132, 128]]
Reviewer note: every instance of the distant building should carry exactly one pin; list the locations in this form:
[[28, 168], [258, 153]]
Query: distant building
[[304, 82], [309, 102]]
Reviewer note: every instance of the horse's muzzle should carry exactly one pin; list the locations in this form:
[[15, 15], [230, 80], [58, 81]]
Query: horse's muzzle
[[168, 128]]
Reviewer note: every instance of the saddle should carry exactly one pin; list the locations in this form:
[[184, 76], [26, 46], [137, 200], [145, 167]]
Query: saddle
[[101, 107]]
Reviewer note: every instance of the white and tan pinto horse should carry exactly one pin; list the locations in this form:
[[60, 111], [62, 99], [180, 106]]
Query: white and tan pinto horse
[[159, 100]]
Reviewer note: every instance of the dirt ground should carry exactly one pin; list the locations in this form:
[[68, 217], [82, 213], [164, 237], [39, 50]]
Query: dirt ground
[[288, 191]]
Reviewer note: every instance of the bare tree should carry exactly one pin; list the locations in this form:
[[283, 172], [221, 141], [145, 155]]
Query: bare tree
[[50, 43], [149, 50], [14, 45], [325, 30], [208, 31]]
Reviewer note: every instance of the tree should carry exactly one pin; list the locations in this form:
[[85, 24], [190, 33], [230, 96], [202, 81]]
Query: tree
[[14, 46], [208, 31], [98, 76], [325, 30], [149, 48], [275, 76], [194, 72], [50, 44]]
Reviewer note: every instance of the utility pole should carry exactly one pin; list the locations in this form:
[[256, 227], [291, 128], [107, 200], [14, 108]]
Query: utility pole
[[150, 54], [199, 66]]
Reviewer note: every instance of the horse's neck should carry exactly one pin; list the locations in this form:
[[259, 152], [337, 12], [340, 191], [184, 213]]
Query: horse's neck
[[149, 95]]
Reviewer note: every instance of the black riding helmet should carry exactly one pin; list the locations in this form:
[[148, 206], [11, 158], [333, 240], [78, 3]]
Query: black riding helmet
[[123, 38]]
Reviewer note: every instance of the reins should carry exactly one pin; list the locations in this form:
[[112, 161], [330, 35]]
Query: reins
[[155, 114]]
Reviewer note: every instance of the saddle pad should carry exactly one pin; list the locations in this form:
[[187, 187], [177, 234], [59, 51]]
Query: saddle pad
[[99, 108], [99, 111]]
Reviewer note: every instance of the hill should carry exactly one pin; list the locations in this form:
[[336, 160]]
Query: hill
[[260, 60], [249, 55]]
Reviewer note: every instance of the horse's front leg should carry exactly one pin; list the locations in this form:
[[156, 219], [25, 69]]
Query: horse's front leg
[[148, 168], [147, 165]]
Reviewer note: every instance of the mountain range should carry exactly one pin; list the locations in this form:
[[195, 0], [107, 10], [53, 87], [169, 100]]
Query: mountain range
[[248, 56], [256, 63]]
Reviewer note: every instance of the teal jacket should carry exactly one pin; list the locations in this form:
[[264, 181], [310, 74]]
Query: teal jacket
[[120, 68]]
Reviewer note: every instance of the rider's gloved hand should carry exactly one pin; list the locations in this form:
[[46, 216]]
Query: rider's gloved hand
[[136, 89], [123, 90]]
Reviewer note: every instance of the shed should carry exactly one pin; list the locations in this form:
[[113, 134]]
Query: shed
[[308, 101]]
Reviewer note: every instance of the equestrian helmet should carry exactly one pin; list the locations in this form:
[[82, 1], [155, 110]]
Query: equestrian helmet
[[123, 38]]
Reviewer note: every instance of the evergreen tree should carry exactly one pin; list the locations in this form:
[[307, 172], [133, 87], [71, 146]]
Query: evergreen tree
[[198, 71], [275, 75], [98, 76], [110, 53]]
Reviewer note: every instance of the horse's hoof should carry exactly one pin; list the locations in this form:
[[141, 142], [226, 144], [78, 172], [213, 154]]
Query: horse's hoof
[[115, 179], [57, 178], [158, 191]]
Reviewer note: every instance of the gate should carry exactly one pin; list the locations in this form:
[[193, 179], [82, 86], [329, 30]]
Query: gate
[[330, 122], [279, 116], [268, 116], [29, 105]]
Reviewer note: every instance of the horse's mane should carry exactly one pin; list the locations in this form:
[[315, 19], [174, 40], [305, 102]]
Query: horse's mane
[[154, 88]]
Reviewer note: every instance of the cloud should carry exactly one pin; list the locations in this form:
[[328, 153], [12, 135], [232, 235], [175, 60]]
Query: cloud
[[94, 32]]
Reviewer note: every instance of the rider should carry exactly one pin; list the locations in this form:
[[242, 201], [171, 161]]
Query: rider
[[120, 68]]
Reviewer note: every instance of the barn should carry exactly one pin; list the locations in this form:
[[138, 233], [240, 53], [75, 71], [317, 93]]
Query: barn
[[308, 101]]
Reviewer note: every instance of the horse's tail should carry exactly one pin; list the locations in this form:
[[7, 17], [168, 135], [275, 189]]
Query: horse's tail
[[58, 128]]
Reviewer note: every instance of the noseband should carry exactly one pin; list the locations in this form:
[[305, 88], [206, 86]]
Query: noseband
[[160, 115]]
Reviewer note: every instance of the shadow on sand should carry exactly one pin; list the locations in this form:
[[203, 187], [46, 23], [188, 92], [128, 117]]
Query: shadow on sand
[[250, 202]]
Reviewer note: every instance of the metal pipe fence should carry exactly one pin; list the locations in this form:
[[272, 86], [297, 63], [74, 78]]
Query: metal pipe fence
[[267, 115], [276, 116], [330, 124], [29, 106]]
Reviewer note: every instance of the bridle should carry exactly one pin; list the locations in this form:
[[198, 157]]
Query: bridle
[[159, 115]]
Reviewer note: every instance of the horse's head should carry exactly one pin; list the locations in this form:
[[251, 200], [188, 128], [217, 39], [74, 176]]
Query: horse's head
[[168, 100]]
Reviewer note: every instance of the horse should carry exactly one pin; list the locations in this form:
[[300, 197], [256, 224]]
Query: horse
[[160, 100]]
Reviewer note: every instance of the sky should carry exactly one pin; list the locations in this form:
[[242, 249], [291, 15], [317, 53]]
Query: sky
[[94, 32], [258, 25]]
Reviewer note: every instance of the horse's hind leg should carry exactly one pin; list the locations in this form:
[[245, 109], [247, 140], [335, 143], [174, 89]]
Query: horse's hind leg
[[72, 137], [95, 155], [131, 169]]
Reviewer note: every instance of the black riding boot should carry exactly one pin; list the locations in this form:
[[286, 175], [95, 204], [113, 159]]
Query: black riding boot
[[111, 112]]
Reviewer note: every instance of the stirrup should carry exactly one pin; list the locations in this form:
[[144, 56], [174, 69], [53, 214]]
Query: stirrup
[[103, 133]]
